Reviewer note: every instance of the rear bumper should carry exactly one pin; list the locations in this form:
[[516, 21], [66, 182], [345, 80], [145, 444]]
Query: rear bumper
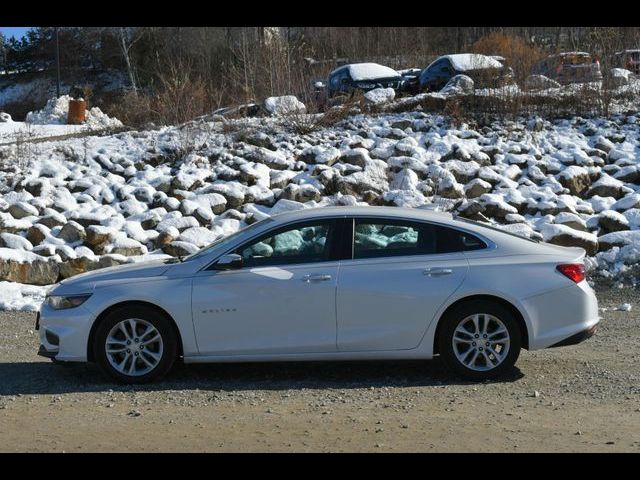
[[577, 338], [561, 314]]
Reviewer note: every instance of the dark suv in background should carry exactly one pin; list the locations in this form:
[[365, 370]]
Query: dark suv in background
[[484, 70], [362, 76]]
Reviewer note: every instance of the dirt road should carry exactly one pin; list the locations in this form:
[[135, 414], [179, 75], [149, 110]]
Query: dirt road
[[579, 398]]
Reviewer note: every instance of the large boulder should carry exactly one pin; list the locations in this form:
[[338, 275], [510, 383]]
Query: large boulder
[[575, 178], [72, 232], [378, 96], [619, 77], [459, 85], [612, 221], [284, 105], [27, 267], [20, 210], [568, 237]]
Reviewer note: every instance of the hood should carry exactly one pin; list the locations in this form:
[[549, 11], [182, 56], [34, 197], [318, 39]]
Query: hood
[[88, 280]]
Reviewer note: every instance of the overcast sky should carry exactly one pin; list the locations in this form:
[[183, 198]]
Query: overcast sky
[[17, 32]]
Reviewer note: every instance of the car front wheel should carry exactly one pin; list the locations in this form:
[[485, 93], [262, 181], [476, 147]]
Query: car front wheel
[[480, 340], [135, 345]]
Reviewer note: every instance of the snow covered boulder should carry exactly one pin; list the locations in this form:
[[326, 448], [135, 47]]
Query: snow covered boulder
[[320, 155], [568, 237], [378, 96], [72, 232], [539, 82], [575, 178], [356, 156], [26, 267], [571, 220], [284, 105], [459, 85], [620, 77], [127, 247], [607, 186], [22, 209], [618, 239], [179, 248], [5, 117], [612, 221], [98, 236], [477, 187]]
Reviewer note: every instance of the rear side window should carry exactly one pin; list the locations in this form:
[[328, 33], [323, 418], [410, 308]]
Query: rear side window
[[390, 238]]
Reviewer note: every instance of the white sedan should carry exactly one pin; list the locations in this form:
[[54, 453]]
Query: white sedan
[[337, 283]]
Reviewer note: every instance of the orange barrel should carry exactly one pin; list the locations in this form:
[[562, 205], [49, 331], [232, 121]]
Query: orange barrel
[[77, 112]]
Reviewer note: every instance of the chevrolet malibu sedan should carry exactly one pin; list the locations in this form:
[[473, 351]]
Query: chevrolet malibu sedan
[[335, 283]]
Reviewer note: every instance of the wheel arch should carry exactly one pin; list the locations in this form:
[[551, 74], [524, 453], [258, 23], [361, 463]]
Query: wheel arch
[[130, 303], [524, 331]]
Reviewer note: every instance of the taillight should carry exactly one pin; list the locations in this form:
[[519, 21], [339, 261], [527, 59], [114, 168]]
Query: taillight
[[573, 271]]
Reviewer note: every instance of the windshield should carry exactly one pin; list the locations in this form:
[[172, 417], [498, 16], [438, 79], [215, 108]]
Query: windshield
[[223, 241]]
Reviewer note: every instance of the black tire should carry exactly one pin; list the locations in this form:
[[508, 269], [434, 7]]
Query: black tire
[[161, 323], [451, 321]]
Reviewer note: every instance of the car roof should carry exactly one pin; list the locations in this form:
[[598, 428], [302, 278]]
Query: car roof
[[347, 211], [470, 61]]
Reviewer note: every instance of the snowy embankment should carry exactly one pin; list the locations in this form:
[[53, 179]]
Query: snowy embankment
[[82, 204], [51, 121]]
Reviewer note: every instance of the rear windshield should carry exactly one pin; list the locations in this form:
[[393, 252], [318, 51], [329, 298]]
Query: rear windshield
[[495, 229]]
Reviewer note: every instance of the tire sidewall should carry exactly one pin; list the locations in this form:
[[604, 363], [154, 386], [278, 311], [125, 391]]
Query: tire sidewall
[[158, 320], [450, 323]]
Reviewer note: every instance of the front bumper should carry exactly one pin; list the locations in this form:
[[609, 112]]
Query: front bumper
[[64, 334], [43, 352]]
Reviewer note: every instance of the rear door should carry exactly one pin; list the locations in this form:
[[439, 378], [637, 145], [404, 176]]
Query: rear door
[[400, 274]]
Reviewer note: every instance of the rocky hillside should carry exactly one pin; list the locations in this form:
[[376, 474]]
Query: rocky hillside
[[80, 204]]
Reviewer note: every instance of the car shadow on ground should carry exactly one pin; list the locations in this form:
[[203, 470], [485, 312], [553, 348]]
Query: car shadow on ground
[[43, 377]]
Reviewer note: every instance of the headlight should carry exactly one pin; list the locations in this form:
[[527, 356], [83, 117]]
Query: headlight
[[60, 302]]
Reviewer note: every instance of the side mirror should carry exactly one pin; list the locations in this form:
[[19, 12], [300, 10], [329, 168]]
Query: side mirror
[[230, 261]]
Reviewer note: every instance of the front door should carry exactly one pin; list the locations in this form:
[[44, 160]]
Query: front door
[[282, 300]]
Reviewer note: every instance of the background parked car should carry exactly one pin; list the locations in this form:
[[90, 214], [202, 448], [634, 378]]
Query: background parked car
[[484, 70], [362, 76], [629, 60], [570, 67]]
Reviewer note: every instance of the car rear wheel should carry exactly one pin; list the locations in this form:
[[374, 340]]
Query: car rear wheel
[[480, 340], [135, 345]]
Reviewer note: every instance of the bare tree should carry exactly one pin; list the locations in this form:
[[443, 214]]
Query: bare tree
[[128, 36]]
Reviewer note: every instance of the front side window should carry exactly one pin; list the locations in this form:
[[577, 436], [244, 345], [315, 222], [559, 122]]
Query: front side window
[[303, 243], [390, 238]]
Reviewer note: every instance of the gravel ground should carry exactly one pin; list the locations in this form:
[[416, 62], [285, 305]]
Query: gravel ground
[[579, 398]]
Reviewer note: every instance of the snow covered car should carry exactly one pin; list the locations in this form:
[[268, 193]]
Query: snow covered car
[[333, 283], [484, 70], [363, 77], [569, 67]]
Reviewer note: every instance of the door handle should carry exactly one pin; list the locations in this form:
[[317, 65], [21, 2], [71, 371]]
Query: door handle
[[316, 278], [437, 271]]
